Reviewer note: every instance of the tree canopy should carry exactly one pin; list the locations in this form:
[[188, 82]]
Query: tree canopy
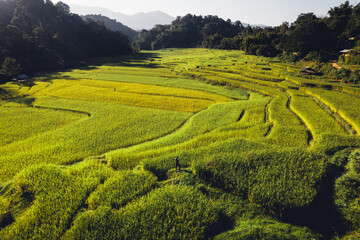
[[39, 35], [308, 36], [187, 31]]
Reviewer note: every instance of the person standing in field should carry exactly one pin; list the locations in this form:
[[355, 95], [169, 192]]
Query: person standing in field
[[177, 164]]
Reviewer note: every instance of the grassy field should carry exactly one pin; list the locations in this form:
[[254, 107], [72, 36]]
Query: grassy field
[[265, 152]]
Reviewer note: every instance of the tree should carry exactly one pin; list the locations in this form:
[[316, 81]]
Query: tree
[[63, 8], [10, 67], [43, 36], [310, 34]]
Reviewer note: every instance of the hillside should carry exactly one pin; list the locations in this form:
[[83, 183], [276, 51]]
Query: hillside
[[39, 36], [113, 25], [310, 37], [265, 153], [137, 21], [188, 31]]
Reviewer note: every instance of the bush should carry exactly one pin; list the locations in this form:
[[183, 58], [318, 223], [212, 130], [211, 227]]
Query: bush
[[354, 56], [354, 77], [343, 73], [312, 56], [10, 67]]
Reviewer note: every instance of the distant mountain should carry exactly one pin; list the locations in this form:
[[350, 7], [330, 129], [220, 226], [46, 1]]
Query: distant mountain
[[136, 21], [113, 25]]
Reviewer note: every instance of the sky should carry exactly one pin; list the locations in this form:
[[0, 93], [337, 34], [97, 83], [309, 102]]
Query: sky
[[267, 12]]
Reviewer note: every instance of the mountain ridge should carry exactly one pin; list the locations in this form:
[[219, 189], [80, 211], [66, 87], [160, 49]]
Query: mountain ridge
[[137, 21], [112, 25]]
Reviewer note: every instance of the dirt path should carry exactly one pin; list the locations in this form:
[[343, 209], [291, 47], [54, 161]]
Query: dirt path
[[335, 65]]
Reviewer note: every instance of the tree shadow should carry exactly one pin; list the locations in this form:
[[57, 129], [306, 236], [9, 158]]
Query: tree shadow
[[136, 60], [133, 60], [28, 101]]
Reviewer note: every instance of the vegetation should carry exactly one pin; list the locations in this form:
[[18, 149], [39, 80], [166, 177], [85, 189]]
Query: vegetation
[[89, 152], [187, 31], [309, 37], [38, 35]]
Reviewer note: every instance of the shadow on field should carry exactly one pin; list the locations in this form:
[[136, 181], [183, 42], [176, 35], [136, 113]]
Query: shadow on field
[[322, 216], [143, 60], [28, 101]]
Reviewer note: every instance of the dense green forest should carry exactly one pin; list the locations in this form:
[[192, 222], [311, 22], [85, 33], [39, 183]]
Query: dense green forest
[[36, 35], [186, 32], [309, 36]]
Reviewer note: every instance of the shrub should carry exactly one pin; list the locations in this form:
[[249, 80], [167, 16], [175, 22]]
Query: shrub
[[354, 56], [354, 77], [343, 73]]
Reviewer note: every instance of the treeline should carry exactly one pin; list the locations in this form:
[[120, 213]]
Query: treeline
[[36, 35], [112, 25], [308, 37], [186, 32]]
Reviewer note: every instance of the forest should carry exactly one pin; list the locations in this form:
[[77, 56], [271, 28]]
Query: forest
[[36, 35], [311, 37]]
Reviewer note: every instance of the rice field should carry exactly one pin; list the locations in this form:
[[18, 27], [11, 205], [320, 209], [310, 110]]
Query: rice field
[[89, 153]]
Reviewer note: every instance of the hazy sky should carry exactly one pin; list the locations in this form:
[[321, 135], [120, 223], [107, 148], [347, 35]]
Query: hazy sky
[[268, 12]]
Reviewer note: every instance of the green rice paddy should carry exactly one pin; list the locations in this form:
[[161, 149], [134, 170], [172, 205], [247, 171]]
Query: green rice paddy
[[89, 153]]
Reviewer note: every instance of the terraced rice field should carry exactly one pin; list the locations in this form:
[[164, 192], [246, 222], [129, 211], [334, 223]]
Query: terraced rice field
[[83, 150]]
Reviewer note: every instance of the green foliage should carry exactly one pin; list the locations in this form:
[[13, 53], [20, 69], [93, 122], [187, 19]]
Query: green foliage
[[203, 129], [309, 37], [188, 31], [21, 122], [43, 36], [179, 213], [110, 127], [249, 153], [343, 73], [271, 179], [347, 191], [53, 198], [256, 229], [354, 56], [342, 103], [121, 189], [5, 214], [318, 121], [10, 67]]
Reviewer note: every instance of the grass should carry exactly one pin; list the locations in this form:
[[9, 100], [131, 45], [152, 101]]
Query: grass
[[22, 122], [53, 196], [345, 105], [132, 94], [110, 127], [167, 207], [89, 153], [318, 121]]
